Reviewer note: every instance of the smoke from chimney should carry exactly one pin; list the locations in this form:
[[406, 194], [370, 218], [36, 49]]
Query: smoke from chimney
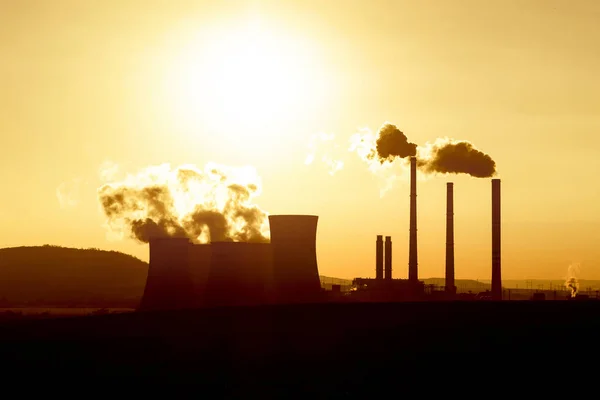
[[382, 152], [210, 205], [449, 156], [572, 282], [390, 147], [388, 144], [392, 142]]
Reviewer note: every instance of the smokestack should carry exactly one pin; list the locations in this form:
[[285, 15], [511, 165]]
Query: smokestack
[[413, 273], [379, 258], [496, 267], [388, 257], [450, 288]]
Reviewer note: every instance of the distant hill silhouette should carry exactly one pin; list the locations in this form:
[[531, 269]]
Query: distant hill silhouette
[[56, 276]]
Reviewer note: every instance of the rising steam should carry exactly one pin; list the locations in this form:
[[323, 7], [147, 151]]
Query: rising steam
[[364, 144], [449, 156], [572, 282], [323, 147], [391, 146], [392, 143], [210, 205], [68, 193]]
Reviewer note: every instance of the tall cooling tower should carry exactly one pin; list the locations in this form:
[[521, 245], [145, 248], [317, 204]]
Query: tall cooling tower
[[413, 269], [379, 257], [239, 274], [450, 287], [169, 284], [295, 270], [199, 262], [496, 250], [388, 257]]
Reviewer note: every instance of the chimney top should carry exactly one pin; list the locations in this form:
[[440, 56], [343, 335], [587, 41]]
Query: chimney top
[[388, 238], [379, 237]]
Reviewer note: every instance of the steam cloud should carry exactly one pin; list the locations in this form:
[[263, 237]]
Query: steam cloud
[[68, 193], [392, 142], [322, 146], [210, 205], [572, 282], [444, 155], [450, 156]]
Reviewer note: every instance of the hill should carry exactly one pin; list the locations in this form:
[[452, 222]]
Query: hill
[[55, 276], [66, 277]]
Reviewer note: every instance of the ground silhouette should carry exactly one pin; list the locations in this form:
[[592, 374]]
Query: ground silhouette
[[319, 349], [53, 276]]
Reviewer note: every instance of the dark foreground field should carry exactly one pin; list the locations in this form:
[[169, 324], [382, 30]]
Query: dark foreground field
[[312, 348]]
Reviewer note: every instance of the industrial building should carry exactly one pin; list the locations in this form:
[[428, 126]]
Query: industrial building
[[183, 274], [186, 275], [385, 288]]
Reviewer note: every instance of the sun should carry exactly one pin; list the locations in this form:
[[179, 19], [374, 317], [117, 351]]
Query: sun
[[246, 78]]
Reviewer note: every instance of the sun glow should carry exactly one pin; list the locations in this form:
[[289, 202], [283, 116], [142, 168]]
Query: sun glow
[[247, 79]]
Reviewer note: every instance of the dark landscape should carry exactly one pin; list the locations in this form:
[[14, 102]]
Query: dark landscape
[[325, 347], [320, 348]]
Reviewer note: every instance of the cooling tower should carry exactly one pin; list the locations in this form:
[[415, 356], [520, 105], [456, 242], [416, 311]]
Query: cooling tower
[[379, 257], [199, 262], [388, 257], [239, 274], [496, 251], [450, 287], [295, 270], [413, 272], [169, 284]]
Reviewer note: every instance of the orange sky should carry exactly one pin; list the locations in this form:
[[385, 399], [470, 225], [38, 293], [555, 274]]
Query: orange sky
[[83, 83]]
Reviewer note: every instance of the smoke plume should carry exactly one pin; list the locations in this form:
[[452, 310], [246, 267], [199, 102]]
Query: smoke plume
[[323, 147], [388, 144], [449, 156], [214, 204], [391, 142], [365, 144], [572, 282], [68, 193]]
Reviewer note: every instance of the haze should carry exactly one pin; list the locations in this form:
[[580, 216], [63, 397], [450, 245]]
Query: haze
[[92, 91]]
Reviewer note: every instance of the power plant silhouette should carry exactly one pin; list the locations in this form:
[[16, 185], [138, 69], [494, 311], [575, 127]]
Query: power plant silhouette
[[183, 275]]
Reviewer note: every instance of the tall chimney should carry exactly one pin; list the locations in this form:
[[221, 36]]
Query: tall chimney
[[496, 267], [379, 258], [450, 287], [413, 272], [388, 257]]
